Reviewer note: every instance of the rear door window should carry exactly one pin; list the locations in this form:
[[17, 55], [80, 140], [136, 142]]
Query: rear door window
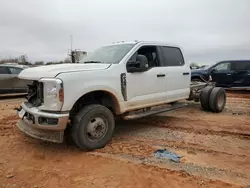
[[4, 70], [15, 70], [172, 56], [242, 66]]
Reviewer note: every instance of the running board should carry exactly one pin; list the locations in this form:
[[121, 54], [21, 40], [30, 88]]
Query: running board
[[238, 88], [153, 112]]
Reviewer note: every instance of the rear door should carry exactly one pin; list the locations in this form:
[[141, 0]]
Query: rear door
[[178, 74], [6, 80], [223, 74], [241, 76], [247, 78], [19, 85]]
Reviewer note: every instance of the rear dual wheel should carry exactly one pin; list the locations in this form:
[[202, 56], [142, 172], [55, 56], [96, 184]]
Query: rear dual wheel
[[213, 99]]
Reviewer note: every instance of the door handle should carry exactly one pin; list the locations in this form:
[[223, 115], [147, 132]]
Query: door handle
[[161, 75], [229, 74], [185, 73]]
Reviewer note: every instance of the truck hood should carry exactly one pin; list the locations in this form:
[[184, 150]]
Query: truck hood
[[50, 71], [199, 71]]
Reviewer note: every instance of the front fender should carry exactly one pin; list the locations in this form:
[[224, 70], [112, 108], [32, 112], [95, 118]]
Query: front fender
[[78, 84], [204, 77], [68, 106]]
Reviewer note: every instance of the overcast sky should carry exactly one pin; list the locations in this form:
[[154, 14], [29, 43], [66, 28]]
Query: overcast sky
[[207, 30]]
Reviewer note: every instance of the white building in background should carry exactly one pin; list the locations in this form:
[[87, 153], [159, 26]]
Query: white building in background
[[77, 55]]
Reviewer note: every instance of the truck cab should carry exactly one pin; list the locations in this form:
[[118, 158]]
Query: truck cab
[[160, 77]]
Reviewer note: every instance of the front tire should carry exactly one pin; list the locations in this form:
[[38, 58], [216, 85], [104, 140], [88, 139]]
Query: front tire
[[93, 127], [196, 80]]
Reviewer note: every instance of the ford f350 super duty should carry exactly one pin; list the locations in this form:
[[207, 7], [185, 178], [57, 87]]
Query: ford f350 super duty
[[127, 80]]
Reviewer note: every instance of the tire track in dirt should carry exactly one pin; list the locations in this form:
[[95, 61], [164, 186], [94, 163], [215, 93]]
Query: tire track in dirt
[[134, 149], [79, 169], [135, 146], [142, 151], [233, 120], [226, 125], [188, 170], [227, 141], [189, 147], [238, 94], [188, 128]]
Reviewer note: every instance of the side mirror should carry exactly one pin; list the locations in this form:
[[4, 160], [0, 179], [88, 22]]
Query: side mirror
[[212, 70], [140, 65]]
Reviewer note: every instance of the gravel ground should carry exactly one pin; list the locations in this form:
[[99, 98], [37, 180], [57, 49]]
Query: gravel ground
[[215, 152]]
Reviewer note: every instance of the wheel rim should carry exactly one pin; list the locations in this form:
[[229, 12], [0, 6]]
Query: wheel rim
[[96, 129], [221, 100]]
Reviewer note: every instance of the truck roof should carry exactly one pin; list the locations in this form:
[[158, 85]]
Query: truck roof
[[234, 60], [146, 43], [14, 65]]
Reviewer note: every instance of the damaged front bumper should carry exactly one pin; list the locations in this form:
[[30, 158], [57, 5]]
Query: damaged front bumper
[[45, 126]]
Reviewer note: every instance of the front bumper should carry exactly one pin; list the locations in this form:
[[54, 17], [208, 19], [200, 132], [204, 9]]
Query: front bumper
[[33, 123]]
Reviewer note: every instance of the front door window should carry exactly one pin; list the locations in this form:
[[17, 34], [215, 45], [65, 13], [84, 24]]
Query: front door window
[[223, 67]]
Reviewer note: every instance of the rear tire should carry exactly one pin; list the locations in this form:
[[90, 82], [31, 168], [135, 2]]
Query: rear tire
[[217, 100], [93, 127], [204, 98]]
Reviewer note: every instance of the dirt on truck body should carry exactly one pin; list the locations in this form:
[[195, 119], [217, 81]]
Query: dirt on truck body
[[214, 150]]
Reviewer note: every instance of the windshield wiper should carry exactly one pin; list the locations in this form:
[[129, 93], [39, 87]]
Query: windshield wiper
[[92, 61]]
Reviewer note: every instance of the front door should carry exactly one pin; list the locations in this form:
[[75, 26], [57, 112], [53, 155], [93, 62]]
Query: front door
[[149, 87], [222, 74]]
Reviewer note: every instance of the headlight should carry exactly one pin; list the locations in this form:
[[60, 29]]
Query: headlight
[[53, 94]]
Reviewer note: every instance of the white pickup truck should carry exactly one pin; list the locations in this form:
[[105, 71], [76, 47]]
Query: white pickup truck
[[126, 80]]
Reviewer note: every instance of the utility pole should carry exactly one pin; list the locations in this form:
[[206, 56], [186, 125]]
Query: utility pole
[[71, 41], [71, 50]]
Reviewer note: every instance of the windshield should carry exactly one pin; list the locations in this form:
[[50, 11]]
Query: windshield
[[206, 67], [209, 66], [108, 54]]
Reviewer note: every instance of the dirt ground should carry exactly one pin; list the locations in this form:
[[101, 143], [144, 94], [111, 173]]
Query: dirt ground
[[215, 150]]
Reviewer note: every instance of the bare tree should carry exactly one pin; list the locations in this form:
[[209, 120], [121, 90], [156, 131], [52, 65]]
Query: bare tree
[[39, 63], [67, 60], [23, 59]]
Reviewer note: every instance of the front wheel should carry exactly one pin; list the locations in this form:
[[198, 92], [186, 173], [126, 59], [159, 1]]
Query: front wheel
[[196, 80], [93, 127]]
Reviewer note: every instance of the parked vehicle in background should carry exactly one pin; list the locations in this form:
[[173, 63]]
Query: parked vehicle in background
[[228, 74], [9, 81]]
